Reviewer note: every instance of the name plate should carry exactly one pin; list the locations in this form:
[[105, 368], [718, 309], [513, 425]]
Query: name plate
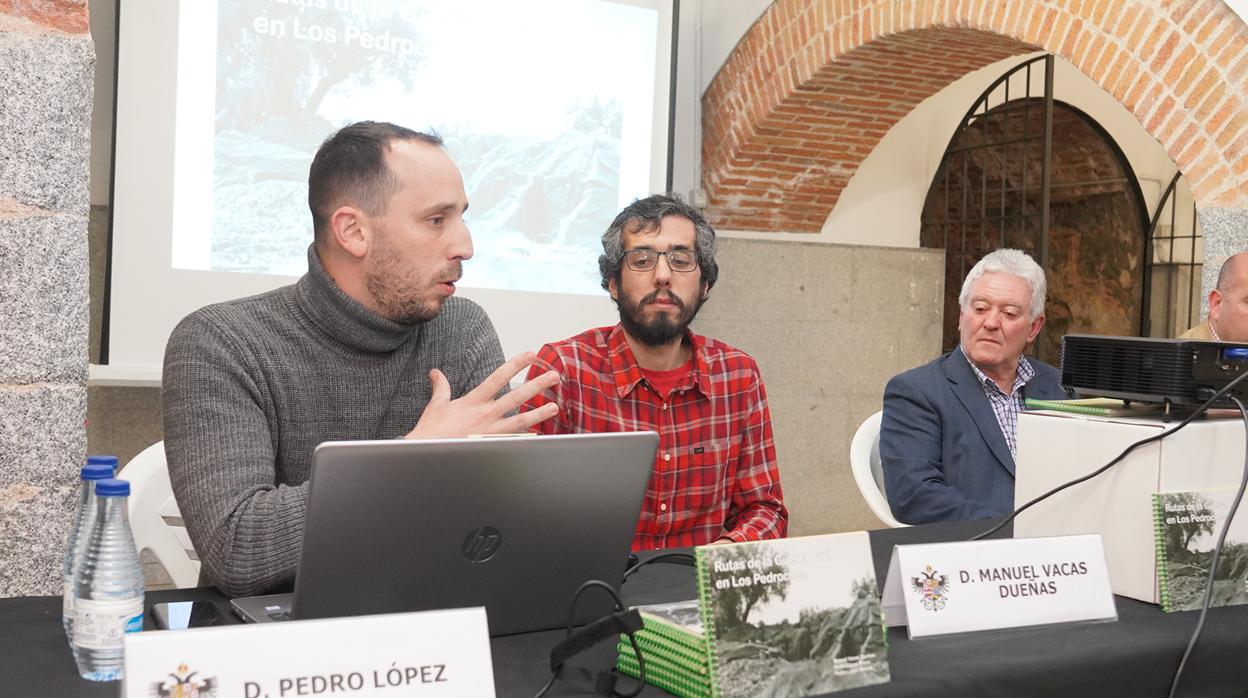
[[431, 653], [943, 588]]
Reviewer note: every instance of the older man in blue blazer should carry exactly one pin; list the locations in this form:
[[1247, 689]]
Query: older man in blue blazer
[[947, 439]]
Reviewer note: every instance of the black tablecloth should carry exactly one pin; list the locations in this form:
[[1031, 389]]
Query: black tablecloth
[[1135, 656]]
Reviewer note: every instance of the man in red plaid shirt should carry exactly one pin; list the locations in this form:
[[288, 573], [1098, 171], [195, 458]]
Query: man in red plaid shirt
[[715, 477]]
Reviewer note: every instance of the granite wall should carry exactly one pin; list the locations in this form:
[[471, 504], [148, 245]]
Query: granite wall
[[828, 325], [1225, 231], [46, 72]]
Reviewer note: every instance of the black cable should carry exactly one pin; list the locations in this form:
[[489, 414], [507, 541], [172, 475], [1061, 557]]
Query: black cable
[[679, 558], [1217, 551], [619, 606], [1142, 442]]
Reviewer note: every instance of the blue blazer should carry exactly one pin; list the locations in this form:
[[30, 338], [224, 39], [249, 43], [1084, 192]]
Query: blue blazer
[[943, 453]]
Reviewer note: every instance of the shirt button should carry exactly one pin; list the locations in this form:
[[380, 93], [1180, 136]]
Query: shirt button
[[667, 456], [663, 506], [665, 405]]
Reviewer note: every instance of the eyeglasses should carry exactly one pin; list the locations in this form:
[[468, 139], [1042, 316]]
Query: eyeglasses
[[647, 260]]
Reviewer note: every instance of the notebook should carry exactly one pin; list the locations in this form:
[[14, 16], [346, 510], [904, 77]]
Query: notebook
[[514, 524]]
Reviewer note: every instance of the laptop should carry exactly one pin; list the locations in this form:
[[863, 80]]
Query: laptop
[[515, 524]]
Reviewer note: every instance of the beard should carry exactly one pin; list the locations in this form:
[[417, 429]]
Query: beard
[[662, 329], [399, 291]]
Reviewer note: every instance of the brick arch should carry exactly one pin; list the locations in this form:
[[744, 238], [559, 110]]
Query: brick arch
[[813, 86]]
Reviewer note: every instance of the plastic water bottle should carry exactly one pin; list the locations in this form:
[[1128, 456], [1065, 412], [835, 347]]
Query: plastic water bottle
[[96, 469], [108, 587]]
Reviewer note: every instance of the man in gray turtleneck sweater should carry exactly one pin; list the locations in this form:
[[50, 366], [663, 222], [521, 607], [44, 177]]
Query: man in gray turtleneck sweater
[[369, 344]]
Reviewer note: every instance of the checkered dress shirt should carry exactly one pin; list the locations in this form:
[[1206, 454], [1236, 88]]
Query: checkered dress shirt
[[715, 471], [1006, 407]]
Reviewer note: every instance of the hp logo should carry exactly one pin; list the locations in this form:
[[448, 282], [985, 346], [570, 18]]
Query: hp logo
[[481, 543]]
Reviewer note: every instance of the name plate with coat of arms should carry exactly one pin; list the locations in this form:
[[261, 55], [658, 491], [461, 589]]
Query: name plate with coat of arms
[[968, 586]]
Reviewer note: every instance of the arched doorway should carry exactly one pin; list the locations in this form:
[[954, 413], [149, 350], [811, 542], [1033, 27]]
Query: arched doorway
[[1033, 173]]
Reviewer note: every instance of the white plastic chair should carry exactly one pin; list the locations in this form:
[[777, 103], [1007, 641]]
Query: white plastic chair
[[864, 460], [155, 518]]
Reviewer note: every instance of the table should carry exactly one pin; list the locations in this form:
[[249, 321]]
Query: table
[[1134, 657]]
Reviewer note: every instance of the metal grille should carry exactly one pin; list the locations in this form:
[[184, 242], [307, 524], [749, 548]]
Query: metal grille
[[1001, 184], [1174, 264]]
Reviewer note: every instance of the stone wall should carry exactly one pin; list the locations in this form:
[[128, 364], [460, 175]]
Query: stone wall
[[46, 72], [828, 325]]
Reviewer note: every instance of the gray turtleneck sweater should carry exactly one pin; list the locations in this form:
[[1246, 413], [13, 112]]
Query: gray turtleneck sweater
[[252, 386]]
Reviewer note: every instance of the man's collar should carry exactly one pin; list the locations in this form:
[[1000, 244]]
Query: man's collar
[[1022, 374], [628, 373]]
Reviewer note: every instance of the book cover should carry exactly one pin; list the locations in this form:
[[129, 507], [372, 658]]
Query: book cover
[[792, 617], [1186, 526]]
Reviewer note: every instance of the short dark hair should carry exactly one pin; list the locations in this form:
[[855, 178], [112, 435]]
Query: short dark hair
[[645, 214], [350, 166]]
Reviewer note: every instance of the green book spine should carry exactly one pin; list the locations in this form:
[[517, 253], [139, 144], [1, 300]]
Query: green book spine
[[673, 683], [1163, 565], [658, 666], [693, 666], [650, 641], [1067, 406], [707, 604]]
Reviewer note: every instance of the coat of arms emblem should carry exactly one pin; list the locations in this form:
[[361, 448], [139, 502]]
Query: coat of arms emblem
[[933, 588], [185, 684]]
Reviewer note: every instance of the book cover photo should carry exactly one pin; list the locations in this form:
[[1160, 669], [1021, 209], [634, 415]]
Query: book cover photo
[[1187, 525], [792, 617]]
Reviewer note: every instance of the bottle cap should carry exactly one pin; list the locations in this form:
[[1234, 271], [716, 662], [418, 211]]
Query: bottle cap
[[111, 487], [102, 460], [96, 471]]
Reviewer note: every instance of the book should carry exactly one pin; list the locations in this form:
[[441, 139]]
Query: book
[[694, 667], [791, 617], [1186, 527], [686, 659], [1094, 406], [673, 646], [679, 622], [674, 682]]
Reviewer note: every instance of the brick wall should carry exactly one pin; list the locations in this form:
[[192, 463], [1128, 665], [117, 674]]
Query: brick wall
[[46, 74], [814, 85]]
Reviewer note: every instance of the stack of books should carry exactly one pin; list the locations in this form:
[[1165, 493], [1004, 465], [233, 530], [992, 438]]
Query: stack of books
[[673, 647], [781, 618]]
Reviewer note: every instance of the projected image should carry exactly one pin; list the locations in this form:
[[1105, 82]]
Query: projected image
[[547, 107]]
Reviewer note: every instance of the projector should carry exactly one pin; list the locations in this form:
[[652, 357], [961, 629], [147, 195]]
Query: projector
[[1140, 369]]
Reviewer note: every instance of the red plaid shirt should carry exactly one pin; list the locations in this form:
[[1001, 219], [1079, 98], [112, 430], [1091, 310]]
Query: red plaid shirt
[[715, 472]]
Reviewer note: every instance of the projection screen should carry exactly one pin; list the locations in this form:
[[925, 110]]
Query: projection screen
[[556, 111]]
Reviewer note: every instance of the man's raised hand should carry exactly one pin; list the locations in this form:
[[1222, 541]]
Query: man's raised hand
[[479, 412]]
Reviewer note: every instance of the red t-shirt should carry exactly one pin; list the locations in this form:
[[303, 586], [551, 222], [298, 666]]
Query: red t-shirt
[[664, 382]]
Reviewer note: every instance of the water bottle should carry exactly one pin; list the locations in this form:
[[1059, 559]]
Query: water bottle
[[97, 468], [108, 586]]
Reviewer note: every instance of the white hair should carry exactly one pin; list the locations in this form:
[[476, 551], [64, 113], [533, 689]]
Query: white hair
[[1015, 263]]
